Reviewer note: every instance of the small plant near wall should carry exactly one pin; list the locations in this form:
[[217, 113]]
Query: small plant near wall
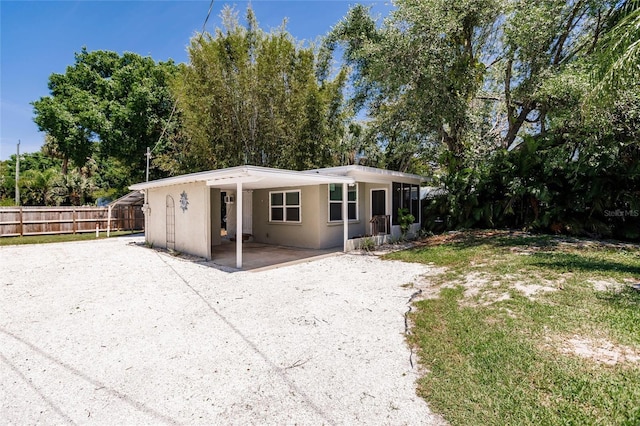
[[405, 219], [367, 244]]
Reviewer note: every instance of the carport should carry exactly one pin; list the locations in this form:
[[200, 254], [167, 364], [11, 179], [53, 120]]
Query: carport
[[133, 200], [253, 178]]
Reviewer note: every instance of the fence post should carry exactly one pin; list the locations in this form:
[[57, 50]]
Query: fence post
[[73, 218], [21, 223], [109, 222]]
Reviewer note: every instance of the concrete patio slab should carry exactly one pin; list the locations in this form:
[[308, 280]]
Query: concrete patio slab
[[259, 257]]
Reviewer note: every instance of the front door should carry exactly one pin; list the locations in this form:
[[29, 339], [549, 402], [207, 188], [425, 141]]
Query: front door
[[379, 212], [378, 202]]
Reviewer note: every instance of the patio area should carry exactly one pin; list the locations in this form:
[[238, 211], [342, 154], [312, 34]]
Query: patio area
[[260, 257]]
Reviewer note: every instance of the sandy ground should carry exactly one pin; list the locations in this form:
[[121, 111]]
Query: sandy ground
[[110, 332]]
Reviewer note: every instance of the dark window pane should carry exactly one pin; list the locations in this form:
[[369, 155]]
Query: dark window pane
[[293, 214], [396, 198], [415, 202], [335, 211], [406, 196], [335, 192], [352, 194], [277, 213], [293, 198], [276, 198], [352, 211]]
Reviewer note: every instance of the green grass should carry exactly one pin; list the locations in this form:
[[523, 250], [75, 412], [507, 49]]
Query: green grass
[[507, 362], [44, 239]]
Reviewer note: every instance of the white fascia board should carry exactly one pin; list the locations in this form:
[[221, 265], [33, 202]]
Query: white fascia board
[[232, 180], [303, 177], [369, 174], [176, 180]]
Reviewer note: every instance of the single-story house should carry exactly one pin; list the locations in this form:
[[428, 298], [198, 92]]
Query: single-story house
[[313, 209]]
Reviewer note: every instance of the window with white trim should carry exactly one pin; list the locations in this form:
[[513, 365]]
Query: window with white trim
[[284, 206], [335, 202]]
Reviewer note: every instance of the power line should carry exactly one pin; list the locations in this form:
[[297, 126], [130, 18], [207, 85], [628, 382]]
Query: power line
[[175, 101], [207, 18]]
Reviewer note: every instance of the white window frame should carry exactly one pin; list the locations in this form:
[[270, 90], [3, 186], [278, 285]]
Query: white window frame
[[330, 201], [284, 206]]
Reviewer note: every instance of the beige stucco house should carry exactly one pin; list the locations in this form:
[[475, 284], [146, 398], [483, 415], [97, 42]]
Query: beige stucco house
[[303, 209]]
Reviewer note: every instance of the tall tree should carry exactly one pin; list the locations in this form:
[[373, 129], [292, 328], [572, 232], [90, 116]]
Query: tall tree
[[120, 102], [498, 88], [451, 75], [539, 40], [419, 71], [250, 97]]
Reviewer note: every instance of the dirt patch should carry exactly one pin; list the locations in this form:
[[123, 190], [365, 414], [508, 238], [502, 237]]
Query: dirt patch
[[527, 251], [474, 283], [595, 244], [459, 236], [481, 290], [606, 285], [601, 351], [530, 290], [429, 287]]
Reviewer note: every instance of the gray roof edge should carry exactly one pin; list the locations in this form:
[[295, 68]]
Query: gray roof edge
[[130, 198]]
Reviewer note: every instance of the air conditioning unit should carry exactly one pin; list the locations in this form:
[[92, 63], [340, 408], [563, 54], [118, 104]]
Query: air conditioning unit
[[229, 199]]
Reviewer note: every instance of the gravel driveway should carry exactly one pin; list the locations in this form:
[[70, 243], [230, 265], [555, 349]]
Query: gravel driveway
[[111, 332]]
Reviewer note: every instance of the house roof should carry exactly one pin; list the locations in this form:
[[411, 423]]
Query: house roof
[[255, 177], [369, 174], [252, 177]]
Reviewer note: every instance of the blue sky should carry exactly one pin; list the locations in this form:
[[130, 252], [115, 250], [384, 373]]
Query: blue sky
[[38, 38]]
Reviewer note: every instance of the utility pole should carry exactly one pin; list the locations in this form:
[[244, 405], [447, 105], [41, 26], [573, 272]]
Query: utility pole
[[148, 155], [18, 175]]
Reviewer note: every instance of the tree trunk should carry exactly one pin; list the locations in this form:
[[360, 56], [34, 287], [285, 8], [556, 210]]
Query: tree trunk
[[515, 125]]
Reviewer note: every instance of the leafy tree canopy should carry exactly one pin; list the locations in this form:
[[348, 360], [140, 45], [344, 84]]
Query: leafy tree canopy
[[251, 97], [497, 96], [120, 103]]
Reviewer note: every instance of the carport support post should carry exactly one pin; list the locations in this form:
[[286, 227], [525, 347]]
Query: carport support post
[[147, 212], [345, 214], [239, 225]]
